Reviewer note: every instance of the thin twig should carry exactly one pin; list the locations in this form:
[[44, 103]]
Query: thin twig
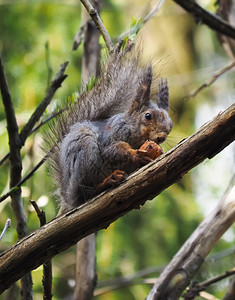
[[52, 116], [7, 225], [198, 287], [153, 12], [143, 21], [99, 24], [208, 282], [40, 213], [4, 159], [211, 81], [18, 185], [203, 16], [123, 284], [120, 282]]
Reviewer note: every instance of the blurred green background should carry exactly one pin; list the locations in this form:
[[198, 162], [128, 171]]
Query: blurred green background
[[35, 38]]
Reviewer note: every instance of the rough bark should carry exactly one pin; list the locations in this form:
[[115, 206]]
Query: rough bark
[[98, 213], [179, 272]]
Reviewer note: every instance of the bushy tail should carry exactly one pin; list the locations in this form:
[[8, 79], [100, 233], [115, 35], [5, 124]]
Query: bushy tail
[[120, 78]]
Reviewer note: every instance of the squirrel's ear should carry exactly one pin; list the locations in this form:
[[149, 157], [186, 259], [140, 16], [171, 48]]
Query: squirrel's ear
[[143, 93], [162, 96]]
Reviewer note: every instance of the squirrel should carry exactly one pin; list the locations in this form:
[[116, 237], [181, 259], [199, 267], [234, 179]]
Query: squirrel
[[98, 137]]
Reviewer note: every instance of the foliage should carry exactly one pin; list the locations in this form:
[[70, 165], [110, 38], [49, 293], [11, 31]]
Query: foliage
[[32, 48]]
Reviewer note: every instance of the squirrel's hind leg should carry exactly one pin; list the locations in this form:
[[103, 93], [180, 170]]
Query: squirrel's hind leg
[[112, 180], [80, 165]]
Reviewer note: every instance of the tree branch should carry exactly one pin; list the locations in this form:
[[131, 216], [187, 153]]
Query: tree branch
[[64, 231], [7, 225], [23, 180], [47, 266], [99, 24], [203, 16], [184, 265], [211, 81], [198, 287], [15, 172]]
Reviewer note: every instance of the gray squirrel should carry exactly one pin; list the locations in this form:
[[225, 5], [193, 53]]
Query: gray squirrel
[[98, 137]]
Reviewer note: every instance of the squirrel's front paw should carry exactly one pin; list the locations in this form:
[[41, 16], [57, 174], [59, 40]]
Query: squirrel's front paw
[[140, 157], [114, 179], [147, 153]]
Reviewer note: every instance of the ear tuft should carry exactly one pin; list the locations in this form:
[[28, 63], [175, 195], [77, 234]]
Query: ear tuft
[[143, 93], [162, 96]]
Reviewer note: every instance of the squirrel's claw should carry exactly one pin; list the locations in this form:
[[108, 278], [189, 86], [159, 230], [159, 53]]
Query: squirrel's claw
[[112, 180]]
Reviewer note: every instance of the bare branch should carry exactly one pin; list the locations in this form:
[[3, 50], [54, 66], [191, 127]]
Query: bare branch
[[66, 230], [99, 24], [203, 16], [4, 159], [195, 289], [211, 81], [23, 180], [153, 12], [7, 225], [52, 116], [143, 21], [122, 284], [179, 272], [40, 213]]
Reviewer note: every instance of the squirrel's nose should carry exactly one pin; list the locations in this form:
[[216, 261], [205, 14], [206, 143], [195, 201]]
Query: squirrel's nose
[[160, 139]]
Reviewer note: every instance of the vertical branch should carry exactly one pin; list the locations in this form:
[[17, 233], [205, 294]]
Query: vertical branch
[[86, 258], [47, 266], [15, 172]]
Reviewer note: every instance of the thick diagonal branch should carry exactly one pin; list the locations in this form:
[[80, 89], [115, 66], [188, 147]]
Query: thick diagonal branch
[[100, 212], [203, 16], [184, 265]]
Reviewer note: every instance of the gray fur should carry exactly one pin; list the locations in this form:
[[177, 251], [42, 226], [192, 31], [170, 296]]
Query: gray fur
[[97, 135]]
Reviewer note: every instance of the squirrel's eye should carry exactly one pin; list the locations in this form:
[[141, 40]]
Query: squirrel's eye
[[148, 116]]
